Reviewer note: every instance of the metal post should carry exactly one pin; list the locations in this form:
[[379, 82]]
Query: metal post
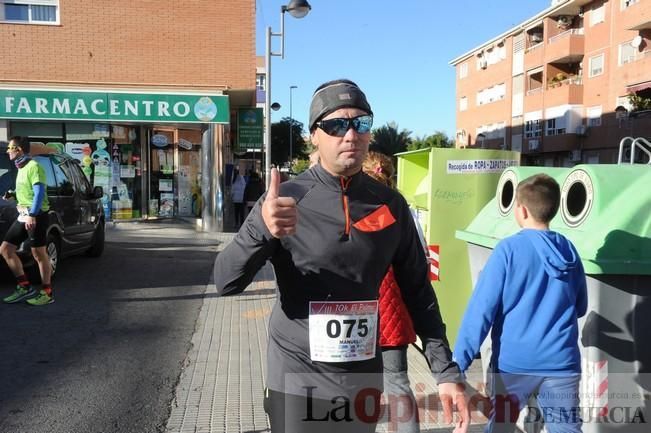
[[267, 111], [291, 126]]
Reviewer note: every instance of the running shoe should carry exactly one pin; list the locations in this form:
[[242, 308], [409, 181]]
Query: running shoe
[[20, 294], [42, 299]]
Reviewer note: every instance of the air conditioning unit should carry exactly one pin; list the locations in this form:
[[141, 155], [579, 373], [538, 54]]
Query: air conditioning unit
[[534, 144], [536, 38], [564, 21], [483, 63], [581, 130], [575, 156]]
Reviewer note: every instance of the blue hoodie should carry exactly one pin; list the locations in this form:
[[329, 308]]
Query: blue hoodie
[[531, 291]]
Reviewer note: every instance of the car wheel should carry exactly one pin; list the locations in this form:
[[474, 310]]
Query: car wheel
[[53, 247], [97, 248]]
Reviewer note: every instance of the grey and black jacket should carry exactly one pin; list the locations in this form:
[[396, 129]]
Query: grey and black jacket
[[344, 243]]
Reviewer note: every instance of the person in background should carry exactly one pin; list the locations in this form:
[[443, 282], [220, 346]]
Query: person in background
[[530, 293], [331, 233], [32, 222], [396, 327], [237, 196], [254, 189]]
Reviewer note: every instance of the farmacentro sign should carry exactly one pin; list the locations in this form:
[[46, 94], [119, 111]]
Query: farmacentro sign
[[132, 107]]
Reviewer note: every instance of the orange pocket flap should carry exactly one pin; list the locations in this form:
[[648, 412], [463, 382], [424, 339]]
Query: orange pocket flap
[[379, 219]]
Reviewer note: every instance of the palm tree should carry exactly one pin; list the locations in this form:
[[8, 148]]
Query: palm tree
[[388, 140]]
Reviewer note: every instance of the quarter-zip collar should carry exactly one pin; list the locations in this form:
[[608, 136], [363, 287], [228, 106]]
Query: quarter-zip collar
[[342, 185], [334, 182]]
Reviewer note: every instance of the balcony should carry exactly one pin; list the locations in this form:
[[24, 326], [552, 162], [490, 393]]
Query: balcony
[[637, 16], [534, 56], [566, 47], [533, 99], [569, 91]]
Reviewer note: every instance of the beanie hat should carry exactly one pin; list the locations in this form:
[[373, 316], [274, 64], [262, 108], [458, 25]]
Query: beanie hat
[[334, 95]]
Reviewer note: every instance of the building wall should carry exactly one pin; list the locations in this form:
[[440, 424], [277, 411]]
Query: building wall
[[567, 51], [479, 79], [202, 44]]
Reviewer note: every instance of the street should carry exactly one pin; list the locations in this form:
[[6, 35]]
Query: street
[[107, 355]]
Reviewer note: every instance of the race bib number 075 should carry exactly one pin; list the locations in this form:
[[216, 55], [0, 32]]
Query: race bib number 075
[[343, 331]]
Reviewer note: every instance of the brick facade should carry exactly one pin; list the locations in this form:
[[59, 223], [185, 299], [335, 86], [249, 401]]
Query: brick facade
[[547, 68], [207, 44]]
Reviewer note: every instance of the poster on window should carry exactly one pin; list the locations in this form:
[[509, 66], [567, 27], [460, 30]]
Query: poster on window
[[166, 204], [165, 185]]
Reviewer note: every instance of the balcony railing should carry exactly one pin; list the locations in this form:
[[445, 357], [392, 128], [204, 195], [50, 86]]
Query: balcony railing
[[534, 91], [534, 47], [572, 80], [566, 33]]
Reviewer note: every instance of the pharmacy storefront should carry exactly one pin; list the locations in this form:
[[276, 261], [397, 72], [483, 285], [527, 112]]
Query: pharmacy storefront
[[148, 151]]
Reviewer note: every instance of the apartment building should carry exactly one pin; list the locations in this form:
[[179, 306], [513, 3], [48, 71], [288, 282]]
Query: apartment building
[[563, 87], [146, 94]]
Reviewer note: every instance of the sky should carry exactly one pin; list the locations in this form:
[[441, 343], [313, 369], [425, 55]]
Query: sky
[[398, 52]]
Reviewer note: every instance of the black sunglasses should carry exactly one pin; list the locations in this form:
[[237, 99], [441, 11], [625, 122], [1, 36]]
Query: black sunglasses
[[338, 127]]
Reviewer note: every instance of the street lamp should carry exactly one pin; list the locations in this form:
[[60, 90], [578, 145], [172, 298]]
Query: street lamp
[[291, 125], [297, 9]]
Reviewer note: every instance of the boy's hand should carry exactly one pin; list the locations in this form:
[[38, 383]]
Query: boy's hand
[[279, 213], [451, 395]]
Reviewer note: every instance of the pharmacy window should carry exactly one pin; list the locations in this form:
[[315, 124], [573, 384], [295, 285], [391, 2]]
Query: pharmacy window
[[29, 11]]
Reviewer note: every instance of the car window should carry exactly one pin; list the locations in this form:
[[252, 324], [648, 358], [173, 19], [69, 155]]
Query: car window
[[64, 181], [52, 188], [82, 181]]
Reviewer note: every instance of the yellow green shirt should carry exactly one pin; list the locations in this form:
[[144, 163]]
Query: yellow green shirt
[[32, 173]]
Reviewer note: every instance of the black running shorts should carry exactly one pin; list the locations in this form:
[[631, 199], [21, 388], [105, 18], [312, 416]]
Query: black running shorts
[[17, 233]]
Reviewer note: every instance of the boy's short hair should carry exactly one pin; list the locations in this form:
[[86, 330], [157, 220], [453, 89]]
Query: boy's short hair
[[541, 195]]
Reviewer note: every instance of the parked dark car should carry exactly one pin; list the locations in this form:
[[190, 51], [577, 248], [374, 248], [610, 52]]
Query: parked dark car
[[76, 217]]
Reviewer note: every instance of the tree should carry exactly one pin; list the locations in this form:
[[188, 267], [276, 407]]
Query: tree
[[388, 140], [438, 139], [280, 141]]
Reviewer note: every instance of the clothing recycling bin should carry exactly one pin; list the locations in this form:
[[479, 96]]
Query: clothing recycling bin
[[606, 212], [446, 188]]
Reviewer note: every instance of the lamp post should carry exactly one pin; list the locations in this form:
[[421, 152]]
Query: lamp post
[[297, 9], [291, 125]]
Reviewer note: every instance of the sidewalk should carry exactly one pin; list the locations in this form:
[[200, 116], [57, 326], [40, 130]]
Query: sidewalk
[[222, 382]]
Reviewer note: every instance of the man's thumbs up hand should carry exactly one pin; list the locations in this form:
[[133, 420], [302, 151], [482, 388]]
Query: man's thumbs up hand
[[279, 213]]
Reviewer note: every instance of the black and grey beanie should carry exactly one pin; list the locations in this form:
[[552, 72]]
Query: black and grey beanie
[[334, 95]]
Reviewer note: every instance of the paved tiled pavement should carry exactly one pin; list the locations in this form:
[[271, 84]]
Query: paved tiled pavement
[[221, 386]]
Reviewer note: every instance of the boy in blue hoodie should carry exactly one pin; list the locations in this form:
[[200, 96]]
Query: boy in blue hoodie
[[531, 292]]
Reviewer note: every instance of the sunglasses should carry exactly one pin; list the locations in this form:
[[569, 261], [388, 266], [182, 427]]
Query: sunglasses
[[12, 148], [338, 127]]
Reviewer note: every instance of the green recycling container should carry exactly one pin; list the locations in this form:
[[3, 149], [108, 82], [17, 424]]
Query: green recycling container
[[606, 212], [446, 188]]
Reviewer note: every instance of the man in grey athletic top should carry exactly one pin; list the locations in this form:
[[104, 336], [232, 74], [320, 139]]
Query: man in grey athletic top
[[331, 234]]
